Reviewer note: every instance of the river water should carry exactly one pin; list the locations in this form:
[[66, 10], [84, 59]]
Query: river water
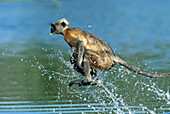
[[35, 69]]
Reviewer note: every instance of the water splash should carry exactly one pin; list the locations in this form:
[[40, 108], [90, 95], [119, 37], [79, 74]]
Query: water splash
[[115, 90]]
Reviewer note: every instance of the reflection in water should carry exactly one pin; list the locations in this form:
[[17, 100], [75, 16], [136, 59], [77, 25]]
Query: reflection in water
[[35, 68]]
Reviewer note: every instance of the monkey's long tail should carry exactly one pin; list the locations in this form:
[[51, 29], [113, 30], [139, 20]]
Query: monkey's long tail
[[123, 63]]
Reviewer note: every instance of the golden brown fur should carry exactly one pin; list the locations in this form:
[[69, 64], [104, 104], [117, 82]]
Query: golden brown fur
[[101, 58], [99, 53]]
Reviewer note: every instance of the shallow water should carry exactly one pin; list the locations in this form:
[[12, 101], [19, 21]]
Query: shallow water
[[35, 67]]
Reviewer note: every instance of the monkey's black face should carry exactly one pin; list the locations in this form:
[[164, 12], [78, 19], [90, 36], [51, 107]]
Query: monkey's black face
[[53, 29], [57, 28]]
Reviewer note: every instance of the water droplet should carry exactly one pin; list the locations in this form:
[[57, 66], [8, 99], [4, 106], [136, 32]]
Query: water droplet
[[49, 78], [70, 100], [89, 26], [39, 67], [14, 83]]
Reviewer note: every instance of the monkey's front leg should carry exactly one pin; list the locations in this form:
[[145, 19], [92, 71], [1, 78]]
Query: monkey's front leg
[[79, 54], [82, 62]]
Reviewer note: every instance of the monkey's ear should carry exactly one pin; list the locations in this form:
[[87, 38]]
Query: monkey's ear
[[63, 24], [64, 20]]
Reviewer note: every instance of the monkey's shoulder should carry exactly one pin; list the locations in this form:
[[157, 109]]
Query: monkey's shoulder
[[82, 34], [73, 31]]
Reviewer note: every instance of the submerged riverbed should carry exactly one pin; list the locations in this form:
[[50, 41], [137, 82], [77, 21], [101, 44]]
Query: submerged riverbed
[[35, 67]]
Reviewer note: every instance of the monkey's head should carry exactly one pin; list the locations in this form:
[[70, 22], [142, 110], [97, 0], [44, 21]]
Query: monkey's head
[[59, 27]]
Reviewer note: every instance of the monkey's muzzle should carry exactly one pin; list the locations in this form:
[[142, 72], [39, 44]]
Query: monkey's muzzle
[[53, 29]]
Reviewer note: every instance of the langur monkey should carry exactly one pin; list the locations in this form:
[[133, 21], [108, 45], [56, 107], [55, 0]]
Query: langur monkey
[[90, 53]]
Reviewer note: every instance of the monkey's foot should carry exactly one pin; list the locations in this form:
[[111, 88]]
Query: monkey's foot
[[83, 83]]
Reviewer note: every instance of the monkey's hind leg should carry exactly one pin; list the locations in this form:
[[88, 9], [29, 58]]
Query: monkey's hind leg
[[82, 62], [88, 79]]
